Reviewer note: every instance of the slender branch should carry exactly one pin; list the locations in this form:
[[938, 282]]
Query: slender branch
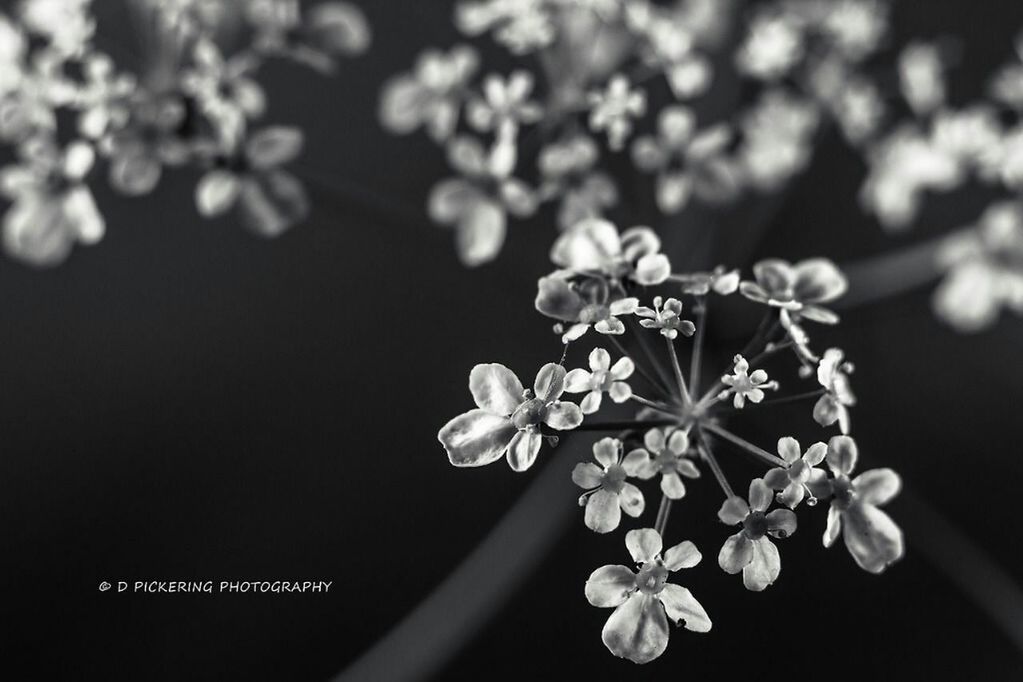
[[662, 515], [679, 379], [641, 340], [773, 460], [662, 407], [715, 468]]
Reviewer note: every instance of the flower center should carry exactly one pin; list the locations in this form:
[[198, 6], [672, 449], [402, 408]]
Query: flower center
[[529, 413], [614, 478], [601, 380], [755, 525], [651, 577], [843, 491], [665, 461]]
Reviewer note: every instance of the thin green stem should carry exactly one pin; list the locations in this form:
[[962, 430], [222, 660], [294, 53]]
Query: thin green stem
[[683, 391], [758, 452], [712, 462], [697, 359], [662, 515]]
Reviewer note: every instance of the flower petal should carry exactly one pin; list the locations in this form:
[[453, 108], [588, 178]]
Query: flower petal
[[637, 630], [788, 448], [781, 523], [733, 511], [672, 486], [610, 586], [623, 368], [603, 514], [842, 455], [563, 416], [631, 500], [591, 403], [678, 442], [760, 495], [777, 478], [550, 381], [653, 269], [555, 298], [877, 486], [577, 381], [834, 526], [590, 245], [587, 475], [620, 391], [523, 450], [818, 280], [774, 275], [599, 359], [654, 441], [736, 553], [476, 437], [871, 537], [638, 464], [643, 544], [682, 555], [495, 388], [606, 451], [681, 607], [764, 568]]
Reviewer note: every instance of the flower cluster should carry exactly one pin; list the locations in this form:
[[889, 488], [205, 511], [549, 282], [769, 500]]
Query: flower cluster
[[69, 112], [598, 80], [680, 427]]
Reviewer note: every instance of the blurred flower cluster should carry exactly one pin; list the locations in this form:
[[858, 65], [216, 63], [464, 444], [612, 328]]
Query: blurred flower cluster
[[679, 427], [69, 111], [602, 91]]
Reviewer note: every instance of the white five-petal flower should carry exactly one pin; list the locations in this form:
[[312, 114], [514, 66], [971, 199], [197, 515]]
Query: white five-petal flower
[[607, 492], [602, 378], [751, 550]]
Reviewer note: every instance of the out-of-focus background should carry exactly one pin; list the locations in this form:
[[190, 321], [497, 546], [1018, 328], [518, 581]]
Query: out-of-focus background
[[187, 402]]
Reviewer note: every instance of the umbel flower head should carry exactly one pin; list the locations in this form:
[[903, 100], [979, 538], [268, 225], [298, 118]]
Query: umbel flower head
[[644, 600], [507, 419]]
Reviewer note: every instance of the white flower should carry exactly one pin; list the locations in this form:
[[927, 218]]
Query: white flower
[[53, 207], [614, 108], [774, 45], [872, 538], [665, 452], [720, 281], [603, 378], [798, 290], [508, 418], [638, 628], [225, 90], [522, 26], [921, 77], [430, 96], [687, 162], [505, 104], [667, 318], [561, 300], [270, 199], [751, 550], [568, 173], [985, 271], [608, 493], [791, 479], [594, 246], [776, 139], [833, 374], [743, 385], [477, 204]]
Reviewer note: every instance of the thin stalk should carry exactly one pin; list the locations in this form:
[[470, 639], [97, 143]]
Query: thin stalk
[[624, 425], [715, 468], [654, 383], [662, 515], [697, 358], [773, 460], [657, 405], [683, 391], [794, 398], [649, 353]]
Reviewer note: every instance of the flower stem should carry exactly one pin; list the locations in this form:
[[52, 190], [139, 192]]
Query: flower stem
[[683, 391], [662, 407], [624, 425], [654, 383], [662, 515], [641, 340], [715, 468], [773, 460], [794, 398], [697, 358]]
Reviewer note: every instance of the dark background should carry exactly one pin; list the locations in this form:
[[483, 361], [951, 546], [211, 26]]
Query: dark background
[[187, 402]]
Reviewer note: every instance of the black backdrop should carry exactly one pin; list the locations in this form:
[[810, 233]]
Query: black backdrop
[[186, 402]]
